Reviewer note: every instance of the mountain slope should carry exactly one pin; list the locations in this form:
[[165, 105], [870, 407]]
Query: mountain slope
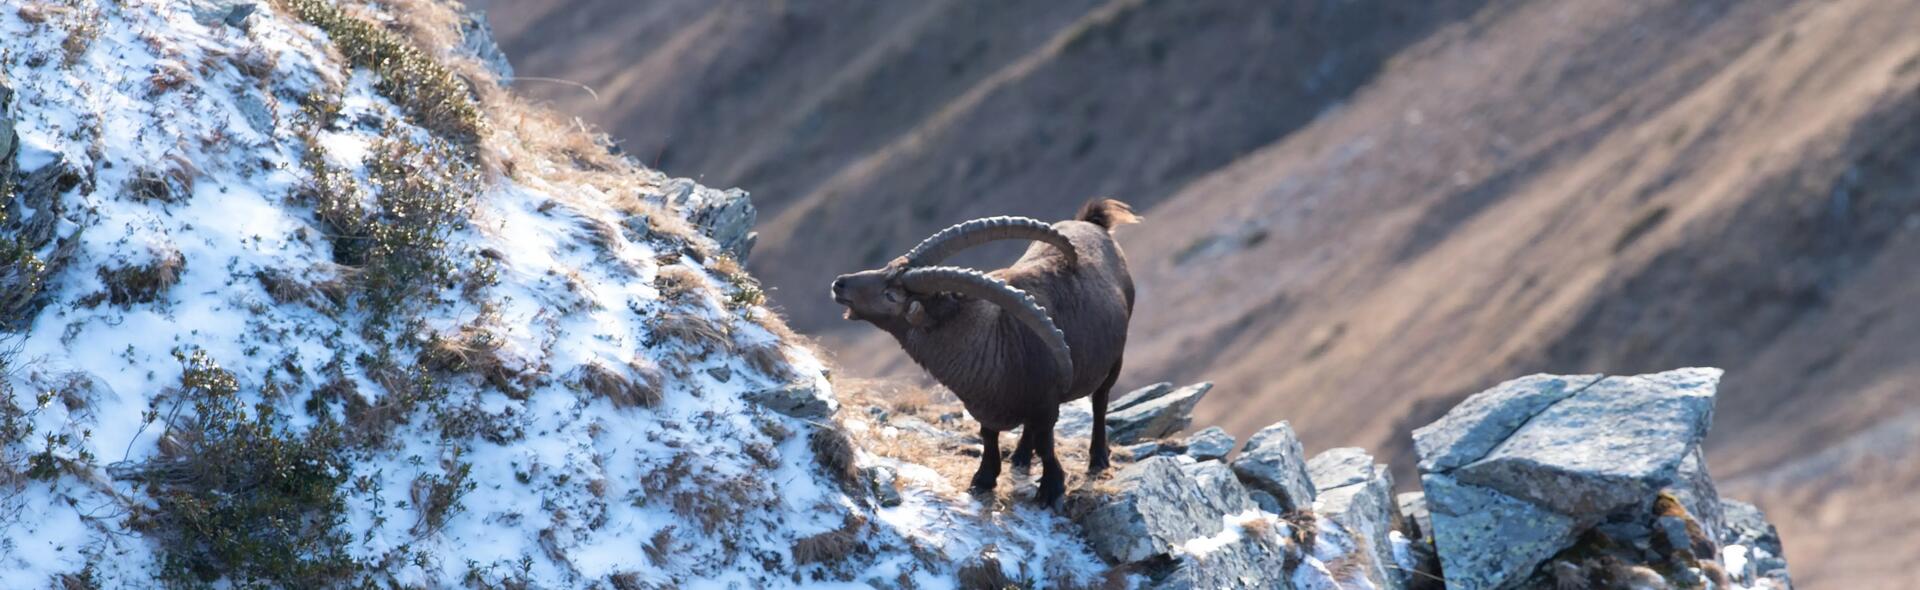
[[1353, 231], [296, 296]]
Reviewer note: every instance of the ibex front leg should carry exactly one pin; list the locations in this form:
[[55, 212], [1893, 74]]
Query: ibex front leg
[[989, 473]]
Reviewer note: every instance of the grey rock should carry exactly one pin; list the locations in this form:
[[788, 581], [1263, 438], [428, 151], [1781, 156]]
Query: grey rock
[[1211, 443], [1340, 467], [800, 400], [883, 482], [1221, 491], [1273, 461], [1487, 539], [1358, 495], [725, 216], [257, 108], [1414, 515], [1527, 466], [1266, 501], [233, 13], [1745, 526], [1614, 444], [1076, 419], [1135, 397], [477, 39], [1158, 417], [1252, 561], [1142, 451], [1160, 506], [1470, 430], [1693, 486]]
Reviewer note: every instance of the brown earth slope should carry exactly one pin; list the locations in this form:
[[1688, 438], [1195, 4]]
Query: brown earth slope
[[1359, 212]]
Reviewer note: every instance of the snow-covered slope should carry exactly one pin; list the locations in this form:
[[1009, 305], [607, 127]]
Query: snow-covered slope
[[282, 319]]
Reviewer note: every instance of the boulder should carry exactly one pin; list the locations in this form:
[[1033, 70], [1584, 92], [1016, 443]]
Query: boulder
[[1356, 493], [1213, 443], [1515, 473], [1161, 506], [1157, 417], [1135, 397], [1076, 419], [799, 400], [1273, 461], [725, 216]]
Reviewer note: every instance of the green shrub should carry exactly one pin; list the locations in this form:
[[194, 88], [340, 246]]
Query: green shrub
[[432, 95], [240, 496]]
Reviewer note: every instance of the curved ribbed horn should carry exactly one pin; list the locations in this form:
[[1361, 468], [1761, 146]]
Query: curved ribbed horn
[[977, 284], [959, 237]]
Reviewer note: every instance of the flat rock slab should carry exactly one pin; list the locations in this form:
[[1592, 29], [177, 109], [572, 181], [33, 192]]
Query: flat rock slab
[[1613, 444], [1135, 397], [1273, 461], [1158, 417], [800, 400], [1470, 430]]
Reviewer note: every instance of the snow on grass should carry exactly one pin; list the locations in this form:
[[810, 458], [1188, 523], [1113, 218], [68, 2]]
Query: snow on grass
[[537, 482]]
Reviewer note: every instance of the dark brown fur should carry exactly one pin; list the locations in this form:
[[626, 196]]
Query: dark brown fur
[[1001, 370]]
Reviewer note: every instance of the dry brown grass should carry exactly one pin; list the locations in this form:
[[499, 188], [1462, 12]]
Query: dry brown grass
[[680, 284], [834, 452], [639, 386], [693, 329], [167, 76], [141, 283], [831, 546], [282, 287]]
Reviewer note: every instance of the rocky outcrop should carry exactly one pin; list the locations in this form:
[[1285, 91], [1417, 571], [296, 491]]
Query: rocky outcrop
[[476, 38], [726, 216], [1274, 462], [1518, 474], [1357, 493]]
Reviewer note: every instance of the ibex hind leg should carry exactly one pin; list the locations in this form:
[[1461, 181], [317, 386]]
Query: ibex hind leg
[[1098, 455]]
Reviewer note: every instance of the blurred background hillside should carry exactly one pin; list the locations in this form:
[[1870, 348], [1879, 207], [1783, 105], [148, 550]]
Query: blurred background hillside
[[1358, 211]]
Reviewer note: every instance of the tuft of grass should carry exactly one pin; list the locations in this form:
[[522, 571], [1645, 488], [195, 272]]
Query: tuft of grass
[[831, 546], [240, 495], [432, 95], [167, 76], [142, 283], [639, 386], [834, 452]]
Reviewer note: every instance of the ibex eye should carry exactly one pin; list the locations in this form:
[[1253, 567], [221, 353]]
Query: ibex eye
[[893, 296]]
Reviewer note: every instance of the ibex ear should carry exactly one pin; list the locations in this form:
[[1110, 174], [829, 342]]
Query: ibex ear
[[917, 314]]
